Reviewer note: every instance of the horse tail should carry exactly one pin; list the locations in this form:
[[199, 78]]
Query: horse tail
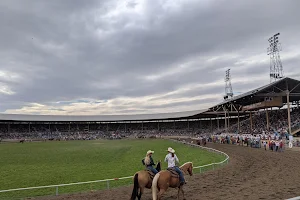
[[154, 186], [135, 190]]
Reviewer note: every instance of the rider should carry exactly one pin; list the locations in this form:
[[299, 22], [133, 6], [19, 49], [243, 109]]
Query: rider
[[171, 158], [148, 162]]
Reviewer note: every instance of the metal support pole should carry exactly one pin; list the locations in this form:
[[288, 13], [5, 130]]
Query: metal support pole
[[289, 111], [174, 125], [56, 192], [107, 128], [142, 126], [228, 117], [218, 122], [251, 123], [158, 125], [239, 122], [267, 117], [29, 127], [211, 129], [188, 124], [225, 121]]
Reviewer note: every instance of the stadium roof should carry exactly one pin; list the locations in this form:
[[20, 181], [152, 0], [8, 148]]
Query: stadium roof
[[104, 118], [276, 89]]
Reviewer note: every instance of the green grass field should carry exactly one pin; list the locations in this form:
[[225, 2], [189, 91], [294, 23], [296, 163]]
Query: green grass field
[[49, 163]]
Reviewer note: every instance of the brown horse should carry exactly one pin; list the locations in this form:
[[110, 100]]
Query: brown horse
[[142, 180], [164, 179]]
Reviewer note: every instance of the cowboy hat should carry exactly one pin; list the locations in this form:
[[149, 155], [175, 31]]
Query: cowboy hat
[[171, 150], [149, 151]]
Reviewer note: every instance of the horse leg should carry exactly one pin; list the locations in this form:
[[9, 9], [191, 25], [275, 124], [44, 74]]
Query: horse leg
[[178, 193], [182, 193], [161, 191], [141, 192]]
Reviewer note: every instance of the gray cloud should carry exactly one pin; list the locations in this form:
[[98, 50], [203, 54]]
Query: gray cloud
[[141, 53]]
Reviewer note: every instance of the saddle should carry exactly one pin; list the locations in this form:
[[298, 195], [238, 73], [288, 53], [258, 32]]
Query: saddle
[[151, 174], [173, 172]]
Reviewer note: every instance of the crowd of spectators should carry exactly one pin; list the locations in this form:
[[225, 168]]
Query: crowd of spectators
[[278, 122], [271, 142], [193, 128]]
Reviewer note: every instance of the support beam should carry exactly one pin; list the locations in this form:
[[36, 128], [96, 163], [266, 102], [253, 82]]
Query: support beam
[[29, 127], [218, 122], [289, 111], [277, 94], [158, 125], [174, 126], [188, 124], [107, 128], [267, 118], [251, 123], [142, 125], [239, 125], [225, 118], [228, 118], [211, 128]]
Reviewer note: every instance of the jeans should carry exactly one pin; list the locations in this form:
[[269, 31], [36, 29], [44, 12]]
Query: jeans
[[181, 178], [152, 169]]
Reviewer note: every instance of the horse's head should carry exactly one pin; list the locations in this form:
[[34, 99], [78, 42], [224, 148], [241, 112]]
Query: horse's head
[[187, 168], [158, 166]]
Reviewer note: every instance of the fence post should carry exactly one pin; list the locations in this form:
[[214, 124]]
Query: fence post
[[107, 183], [56, 190], [213, 165], [200, 169]]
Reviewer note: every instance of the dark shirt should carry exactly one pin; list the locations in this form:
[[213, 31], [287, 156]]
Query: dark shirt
[[151, 162]]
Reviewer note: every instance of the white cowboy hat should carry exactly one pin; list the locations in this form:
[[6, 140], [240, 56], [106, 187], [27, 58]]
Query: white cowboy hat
[[149, 151], [171, 150]]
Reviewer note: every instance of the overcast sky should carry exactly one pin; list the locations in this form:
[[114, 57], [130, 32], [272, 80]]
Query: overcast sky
[[138, 56]]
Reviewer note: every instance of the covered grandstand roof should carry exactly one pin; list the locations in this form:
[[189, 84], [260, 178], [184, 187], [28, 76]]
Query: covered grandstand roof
[[103, 118], [276, 89]]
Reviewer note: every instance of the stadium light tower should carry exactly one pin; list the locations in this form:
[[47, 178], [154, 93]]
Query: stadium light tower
[[228, 87], [276, 70]]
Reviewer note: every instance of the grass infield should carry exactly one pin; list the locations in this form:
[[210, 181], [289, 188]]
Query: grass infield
[[57, 162]]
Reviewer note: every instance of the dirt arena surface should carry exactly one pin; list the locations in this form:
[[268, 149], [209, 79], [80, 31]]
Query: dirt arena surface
[[250, 174]]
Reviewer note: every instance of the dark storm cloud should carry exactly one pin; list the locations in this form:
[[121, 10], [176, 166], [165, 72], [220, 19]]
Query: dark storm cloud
[[102, 50]]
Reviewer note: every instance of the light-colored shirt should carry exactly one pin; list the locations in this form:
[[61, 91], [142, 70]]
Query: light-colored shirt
[[171, 160]]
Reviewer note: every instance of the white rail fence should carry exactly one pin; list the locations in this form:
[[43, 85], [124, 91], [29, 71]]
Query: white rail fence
[[213, 165], [295, 198]]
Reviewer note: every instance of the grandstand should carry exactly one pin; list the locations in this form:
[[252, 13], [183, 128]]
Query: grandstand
[[243, 113]]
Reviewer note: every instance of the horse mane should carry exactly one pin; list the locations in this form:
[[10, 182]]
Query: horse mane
[[186, 164]]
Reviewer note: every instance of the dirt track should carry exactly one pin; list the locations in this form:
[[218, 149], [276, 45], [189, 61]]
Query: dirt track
[[251, 174]]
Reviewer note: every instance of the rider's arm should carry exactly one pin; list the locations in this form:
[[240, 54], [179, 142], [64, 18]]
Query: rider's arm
[[176, 159], [166, 158]]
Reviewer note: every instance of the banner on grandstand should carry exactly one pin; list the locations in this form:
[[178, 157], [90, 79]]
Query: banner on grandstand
[[267, 103]]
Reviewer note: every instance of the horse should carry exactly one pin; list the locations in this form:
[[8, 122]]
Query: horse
[[141, 180], [165, 179]]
